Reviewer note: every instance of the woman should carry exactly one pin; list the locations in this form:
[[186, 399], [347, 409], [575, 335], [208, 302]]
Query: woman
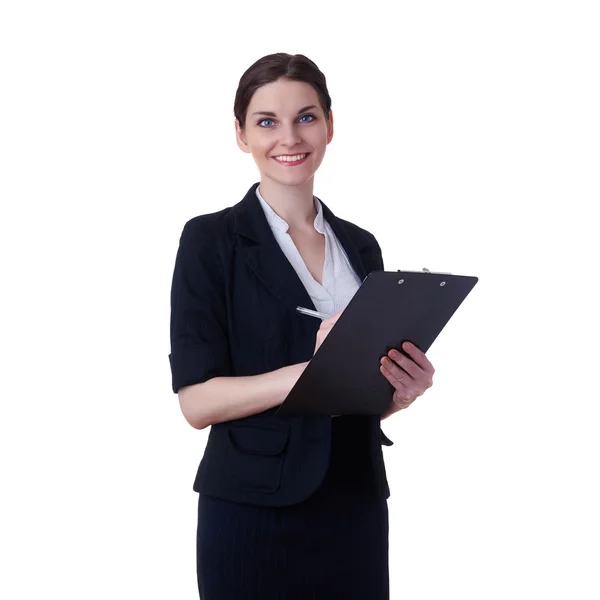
[[289, 507]]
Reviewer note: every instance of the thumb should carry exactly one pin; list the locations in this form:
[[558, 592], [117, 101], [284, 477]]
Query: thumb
[[337, 315], [330, 322]]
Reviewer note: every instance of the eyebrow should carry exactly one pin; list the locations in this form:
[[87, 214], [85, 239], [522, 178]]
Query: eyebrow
[[272, 114]]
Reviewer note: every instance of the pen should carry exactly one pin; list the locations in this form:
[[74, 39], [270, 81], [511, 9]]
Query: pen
[[312, 313]]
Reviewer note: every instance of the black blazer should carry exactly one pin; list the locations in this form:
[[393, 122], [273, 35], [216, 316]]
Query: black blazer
[[233, 312]]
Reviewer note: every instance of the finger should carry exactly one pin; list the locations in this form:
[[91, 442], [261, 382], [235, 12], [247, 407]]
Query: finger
[[398, 377], [417, 386], [326, 327], [403, 400], [328, 323], [419, 357], [414, 370], [335, 317], [403, 397], [398, 385], [423, 380]]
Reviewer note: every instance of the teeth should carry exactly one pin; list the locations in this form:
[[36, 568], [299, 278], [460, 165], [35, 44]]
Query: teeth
[[290, 158]]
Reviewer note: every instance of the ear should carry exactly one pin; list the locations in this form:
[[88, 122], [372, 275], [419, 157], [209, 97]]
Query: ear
[[330, 127], [240, 137]]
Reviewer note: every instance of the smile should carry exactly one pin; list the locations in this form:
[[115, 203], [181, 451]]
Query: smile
[[296, 159]]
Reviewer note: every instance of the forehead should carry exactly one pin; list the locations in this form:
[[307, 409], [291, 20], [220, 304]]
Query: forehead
[[283, 96]]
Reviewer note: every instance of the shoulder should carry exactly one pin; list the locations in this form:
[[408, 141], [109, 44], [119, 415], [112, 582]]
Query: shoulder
[[207, 227], [209, 236], [203, 244]]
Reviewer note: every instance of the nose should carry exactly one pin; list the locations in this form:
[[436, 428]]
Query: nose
[[290, 135]]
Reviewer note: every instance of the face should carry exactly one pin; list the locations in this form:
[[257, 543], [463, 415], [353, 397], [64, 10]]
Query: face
[[286, 131]]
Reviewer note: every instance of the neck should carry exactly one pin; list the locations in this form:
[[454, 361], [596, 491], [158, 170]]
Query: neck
[[293, 203]]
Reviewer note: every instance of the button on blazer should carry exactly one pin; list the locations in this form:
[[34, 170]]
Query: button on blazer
[[233, 313]]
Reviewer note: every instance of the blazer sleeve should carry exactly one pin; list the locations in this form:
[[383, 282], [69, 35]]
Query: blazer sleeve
[[198, 326]]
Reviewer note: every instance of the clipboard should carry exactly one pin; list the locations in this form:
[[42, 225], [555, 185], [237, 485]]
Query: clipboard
[[389, 308]]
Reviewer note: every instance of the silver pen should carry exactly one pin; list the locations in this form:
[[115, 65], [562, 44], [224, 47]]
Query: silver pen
[[312, 313]]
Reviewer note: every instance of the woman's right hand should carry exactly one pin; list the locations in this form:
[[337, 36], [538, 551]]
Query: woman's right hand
[[325, 328]]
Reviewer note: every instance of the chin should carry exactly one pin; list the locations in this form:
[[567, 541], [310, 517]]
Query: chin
[[292, 179]]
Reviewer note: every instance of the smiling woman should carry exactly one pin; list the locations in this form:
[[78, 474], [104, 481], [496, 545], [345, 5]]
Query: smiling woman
[[292, 507], [290, 124]]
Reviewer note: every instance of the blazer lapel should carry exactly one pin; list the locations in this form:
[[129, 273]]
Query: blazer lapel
[[270, 265], [364, 255]]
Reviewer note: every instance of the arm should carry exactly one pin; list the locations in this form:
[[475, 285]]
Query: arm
[[203, 375], [226, 398]]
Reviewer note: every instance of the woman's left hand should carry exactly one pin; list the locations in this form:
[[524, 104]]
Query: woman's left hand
[[411, 377]]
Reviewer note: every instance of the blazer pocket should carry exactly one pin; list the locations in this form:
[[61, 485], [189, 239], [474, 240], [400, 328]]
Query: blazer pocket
[[255, 457]]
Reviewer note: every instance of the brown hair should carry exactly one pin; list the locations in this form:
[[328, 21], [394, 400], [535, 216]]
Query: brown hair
[[272, 67]]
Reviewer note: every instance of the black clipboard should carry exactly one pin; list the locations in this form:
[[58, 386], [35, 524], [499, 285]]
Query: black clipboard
[[389, 308]]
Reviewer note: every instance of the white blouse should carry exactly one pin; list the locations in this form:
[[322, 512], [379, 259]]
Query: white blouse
[[340, 282]]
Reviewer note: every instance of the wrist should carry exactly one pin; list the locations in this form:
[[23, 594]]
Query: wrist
[[292, 374]]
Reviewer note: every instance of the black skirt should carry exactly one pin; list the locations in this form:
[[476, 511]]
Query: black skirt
[[333, 545]]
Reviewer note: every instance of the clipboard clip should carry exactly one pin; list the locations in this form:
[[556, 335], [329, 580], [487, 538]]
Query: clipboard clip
[[425, 270]]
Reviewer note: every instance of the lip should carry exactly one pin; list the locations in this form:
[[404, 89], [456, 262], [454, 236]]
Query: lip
[[292, 164]]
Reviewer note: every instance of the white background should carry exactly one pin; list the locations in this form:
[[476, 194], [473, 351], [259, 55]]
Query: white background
[[467, 140]]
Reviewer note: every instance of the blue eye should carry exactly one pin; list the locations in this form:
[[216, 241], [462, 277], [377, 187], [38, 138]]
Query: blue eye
[[261, 122]]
